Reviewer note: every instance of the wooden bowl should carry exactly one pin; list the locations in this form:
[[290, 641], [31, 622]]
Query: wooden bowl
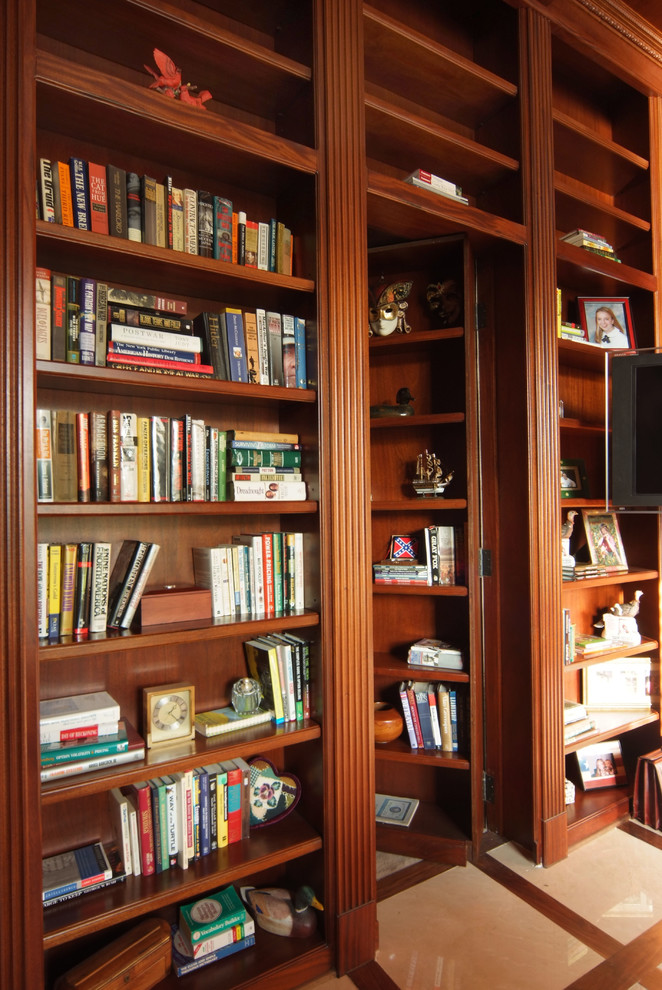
[[388, 722]]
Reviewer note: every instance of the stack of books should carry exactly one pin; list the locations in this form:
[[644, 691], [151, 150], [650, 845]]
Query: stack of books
[[281, 666], [587, 644], [434, 715], [438, 560], [435, 653], [576, 721], [220, 721], [256, 574], [198, 943], [442, 187], [595, 243], [255, 475], [67, 875], [84, 732]]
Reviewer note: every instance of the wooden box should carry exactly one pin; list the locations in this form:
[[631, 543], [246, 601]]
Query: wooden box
[[174, 603], [138, 960]]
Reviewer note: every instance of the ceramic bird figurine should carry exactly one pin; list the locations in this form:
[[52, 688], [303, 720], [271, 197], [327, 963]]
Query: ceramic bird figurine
[[283, 912], [627, 608], [568, 525]]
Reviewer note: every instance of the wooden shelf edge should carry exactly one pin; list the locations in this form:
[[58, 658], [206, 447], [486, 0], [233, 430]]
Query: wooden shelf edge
[[228, 508], [581, 258], [627, 577], [416, 338], [580, 661], [452, 590], [400, 752], [602, 143], [186, 632], [580, 193], [417, 504], [428, 419], [385, 665], [142, 895], [617, 728], [243, 742], [586, 817]]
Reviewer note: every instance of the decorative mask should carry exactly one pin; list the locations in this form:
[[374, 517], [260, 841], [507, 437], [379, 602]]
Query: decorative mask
[[387, 311]]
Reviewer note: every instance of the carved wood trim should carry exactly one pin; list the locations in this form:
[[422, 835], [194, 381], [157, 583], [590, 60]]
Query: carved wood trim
[[20, 883], [344, 464], [545, 566]]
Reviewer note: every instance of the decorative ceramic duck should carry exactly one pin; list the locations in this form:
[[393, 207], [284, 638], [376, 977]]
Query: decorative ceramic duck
[[282, 912]]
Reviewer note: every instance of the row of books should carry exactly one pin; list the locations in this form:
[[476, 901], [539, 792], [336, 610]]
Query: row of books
[[79, 594], [255, 574], [432, 557], [280, 663], [576, 721], [69, 874], [119, 456], [434, 715], [80, 320], [107, 199], [574, 571], [434, 183]]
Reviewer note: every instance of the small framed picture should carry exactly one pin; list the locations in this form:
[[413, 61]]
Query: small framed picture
[[619, 685], [601, 765], [390, 810], [574, 483], [607, 321], [603, 537]]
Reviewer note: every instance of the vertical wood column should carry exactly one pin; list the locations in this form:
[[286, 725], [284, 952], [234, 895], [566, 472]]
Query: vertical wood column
[[655, 115], [550, 828], [20, 830], [345, 470]]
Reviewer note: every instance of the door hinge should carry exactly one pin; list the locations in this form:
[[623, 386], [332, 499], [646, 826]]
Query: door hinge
[[484, 562], [488, 787]]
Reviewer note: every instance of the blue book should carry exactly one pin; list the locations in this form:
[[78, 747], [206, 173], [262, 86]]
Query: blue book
[[183, 962], [300, 351], [80, 192], [74, 870], [234, 326]]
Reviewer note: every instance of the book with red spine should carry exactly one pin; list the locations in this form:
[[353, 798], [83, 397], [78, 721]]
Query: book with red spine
[[140, 795], [83, 456], [98, 198], [411, 697], [136, 363], [406, 711]]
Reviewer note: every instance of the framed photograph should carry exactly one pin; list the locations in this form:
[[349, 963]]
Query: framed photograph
[[620, 685], [601, 765], [607, 321], [574, 483], [603, 537]]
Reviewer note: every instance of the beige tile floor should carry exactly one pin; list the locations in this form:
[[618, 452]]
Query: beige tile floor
[[462, 930]]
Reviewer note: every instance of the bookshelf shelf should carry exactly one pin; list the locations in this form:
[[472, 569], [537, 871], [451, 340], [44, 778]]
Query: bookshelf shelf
[[596, 809], [418, 504], [646, 646], [61, 510], [610, 724], [432, 834], [189, 632], [400, 752], [431, 419], [388, 666], [265, 738], [280, 843], [415, 339], [632, 575], [450, 591]]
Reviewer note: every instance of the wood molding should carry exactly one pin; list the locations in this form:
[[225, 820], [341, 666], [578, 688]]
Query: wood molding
[[20, 886], [345, 525]]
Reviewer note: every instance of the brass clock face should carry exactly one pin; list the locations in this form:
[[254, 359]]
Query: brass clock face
[[169, 711]]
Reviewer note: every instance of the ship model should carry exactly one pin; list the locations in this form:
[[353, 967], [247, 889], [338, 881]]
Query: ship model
[[430, 479]]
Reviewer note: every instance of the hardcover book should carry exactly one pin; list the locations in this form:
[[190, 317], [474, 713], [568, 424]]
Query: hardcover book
[[80, 193], [205, 224], [87, 325], [133, 207], [74, 870], [44, 455], [98, 198], [219, 721], [117, 202], [222, 229], [43, 314], [100, 584], [58, 317], [66, 201]]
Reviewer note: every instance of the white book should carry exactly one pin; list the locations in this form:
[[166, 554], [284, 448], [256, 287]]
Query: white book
[[263, 246], [207, 563], [184, 787], [263, 346], [42, 326], [86, 766], [277, 491], [172, 838], [254, 542], [78, 710], [44, 455], [211, 444], [128, 457], [299, 573], [100, 585], [198, 458], [119, 815], [151, 337], [42, 590], [286, 672], [227, 580]]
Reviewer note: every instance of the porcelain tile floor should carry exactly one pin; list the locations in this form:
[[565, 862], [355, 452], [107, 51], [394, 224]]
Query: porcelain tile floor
[[506, 924]]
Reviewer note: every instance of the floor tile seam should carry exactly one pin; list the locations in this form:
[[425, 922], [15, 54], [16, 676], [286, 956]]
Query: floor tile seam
[[552, 909], [632, 962]]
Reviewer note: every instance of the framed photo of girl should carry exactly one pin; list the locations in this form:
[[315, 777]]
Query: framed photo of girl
[[607, 321], [603, 537]]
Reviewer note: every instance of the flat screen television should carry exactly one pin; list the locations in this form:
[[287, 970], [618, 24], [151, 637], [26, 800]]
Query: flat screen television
[[636, 429]]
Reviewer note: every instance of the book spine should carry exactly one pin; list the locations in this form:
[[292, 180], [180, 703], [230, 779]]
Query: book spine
[[275, 341], [222, 229], [241, 238], [43, 310], [66, 199], [117, 201], [44, 455], [80, 193], [98, 198], [123, 582], [72, 769], [133, 207], [101, 327], [289, 352], [113, 439], [83, 591], [177, 216], [149, 351], [77, 753], [58, 317], [153, 337], [263, 347], [145, 830], [42, 590], [263, 246], [236, 345], [163, 472], [69, 562], [46, 191], [161, 221], [100, 578], [414, 715], [245, 491], [58, 733], [205, 224], [119, 811], [144, 459], [190, 221], [83, 456], [73, 320], [128, 457], [98, 430], [148, 218], [301, 372], [139, 587]]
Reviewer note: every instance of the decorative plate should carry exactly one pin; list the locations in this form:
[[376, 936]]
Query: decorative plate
[[272, 795]]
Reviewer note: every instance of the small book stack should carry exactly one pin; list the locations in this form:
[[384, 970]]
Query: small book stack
[[434, 653], [128, 578], [84, 732], [588, 645], [80, 871], [595, 243], [210, 929], [442, 187], [219, 721], [434, 715], [576, 721], [281, 666], [434, 557], [257, 478]]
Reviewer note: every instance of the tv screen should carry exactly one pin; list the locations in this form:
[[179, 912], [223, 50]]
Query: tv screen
[[636, 424]]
